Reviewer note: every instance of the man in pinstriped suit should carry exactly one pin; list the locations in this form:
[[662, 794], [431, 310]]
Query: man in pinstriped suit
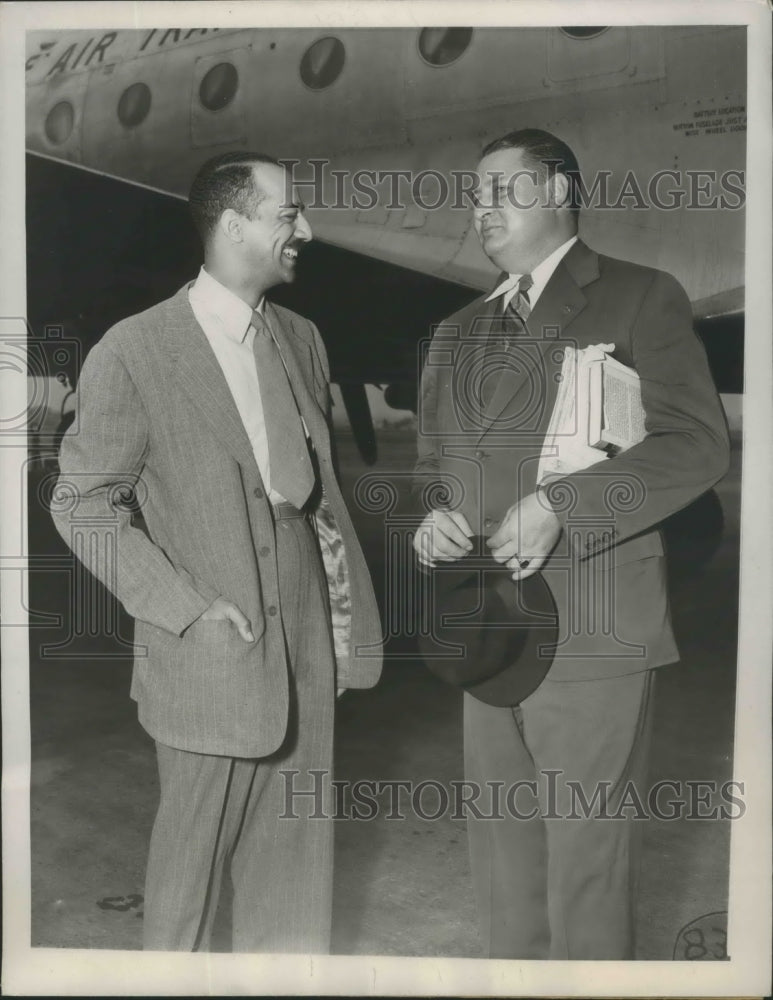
[[250, 592]]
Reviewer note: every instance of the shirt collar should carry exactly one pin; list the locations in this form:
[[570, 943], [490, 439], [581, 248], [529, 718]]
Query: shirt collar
[[540, 275], [234, 314]]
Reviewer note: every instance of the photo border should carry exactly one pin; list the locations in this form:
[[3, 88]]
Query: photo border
[[39, 971]]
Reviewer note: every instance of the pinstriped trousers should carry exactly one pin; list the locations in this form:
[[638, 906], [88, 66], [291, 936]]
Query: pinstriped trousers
[[215, 811]]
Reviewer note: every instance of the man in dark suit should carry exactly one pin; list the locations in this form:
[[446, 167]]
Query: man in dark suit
[[250, 592], [554, 878]]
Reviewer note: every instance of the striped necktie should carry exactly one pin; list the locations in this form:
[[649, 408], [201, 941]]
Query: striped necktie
[[291, 471], [518, 308]]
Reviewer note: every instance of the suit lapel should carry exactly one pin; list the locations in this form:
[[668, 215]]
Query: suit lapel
[[198, 373], [540, 353]]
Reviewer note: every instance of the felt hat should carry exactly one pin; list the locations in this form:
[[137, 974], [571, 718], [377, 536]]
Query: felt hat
[[484, 632]]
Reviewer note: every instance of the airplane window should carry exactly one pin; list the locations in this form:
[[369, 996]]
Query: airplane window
[[442, 46], [584, 31], [59, 122], [134, 105], [219, 86], [322, 62]]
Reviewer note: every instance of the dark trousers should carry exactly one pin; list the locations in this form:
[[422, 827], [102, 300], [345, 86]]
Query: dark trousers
[[556, 884], [215, 811]]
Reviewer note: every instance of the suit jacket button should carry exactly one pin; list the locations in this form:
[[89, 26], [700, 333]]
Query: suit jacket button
[[272, 610], [258, 492], [488, 522], [264, 550]]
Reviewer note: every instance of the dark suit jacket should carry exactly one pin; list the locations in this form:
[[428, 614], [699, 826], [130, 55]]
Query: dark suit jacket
[[155, 411], [607, 572]]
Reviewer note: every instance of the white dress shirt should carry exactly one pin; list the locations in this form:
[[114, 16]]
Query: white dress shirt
[[540, 276], [227, 324]]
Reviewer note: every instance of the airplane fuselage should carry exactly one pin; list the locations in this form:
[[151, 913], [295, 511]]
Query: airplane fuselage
[[656, 116]]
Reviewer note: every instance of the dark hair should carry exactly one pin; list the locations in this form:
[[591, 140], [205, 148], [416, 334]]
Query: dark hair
[[544, 152], [223, 182]]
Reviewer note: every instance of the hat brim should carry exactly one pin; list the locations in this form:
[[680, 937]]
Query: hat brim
[[488, 634]]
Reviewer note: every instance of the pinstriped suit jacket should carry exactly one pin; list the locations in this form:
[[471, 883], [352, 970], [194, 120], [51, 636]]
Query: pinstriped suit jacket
[[155, 411]]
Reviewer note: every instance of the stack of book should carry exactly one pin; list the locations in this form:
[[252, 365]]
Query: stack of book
[[597, 414]]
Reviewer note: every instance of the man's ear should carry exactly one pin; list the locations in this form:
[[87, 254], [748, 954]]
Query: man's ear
[[559, 192], [230, 225]]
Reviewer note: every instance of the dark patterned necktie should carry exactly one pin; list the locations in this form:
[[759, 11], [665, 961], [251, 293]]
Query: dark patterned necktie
[[504, 330], [518, 308], [291, 471]]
